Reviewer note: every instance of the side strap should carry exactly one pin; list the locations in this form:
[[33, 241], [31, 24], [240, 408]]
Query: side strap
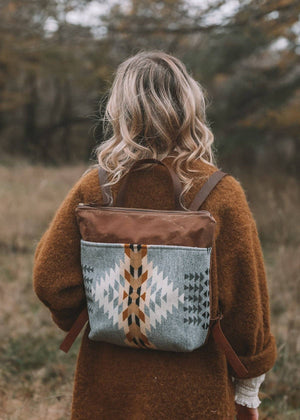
[[231, 356], [74, 331]]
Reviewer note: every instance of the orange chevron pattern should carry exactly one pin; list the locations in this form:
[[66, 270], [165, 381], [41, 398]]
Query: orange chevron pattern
[[136, 272]]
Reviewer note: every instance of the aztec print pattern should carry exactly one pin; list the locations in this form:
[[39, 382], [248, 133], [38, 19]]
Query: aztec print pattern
[[143, 296]]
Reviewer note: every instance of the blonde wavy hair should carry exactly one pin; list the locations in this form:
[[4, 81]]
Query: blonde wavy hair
[[155, 109]]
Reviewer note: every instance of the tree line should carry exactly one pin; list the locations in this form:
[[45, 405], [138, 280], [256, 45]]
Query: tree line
[[52, 81]]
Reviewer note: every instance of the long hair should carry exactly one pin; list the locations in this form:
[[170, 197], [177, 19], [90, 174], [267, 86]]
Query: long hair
[[154, 109]]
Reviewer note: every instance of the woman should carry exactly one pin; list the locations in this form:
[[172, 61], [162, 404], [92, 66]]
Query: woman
[[156, 109]]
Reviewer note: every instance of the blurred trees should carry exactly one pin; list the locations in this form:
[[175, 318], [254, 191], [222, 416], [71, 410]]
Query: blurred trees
[[245, 54], [48, 81]]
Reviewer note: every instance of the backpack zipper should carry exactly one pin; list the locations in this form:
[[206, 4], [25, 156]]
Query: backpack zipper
[[92, 205]]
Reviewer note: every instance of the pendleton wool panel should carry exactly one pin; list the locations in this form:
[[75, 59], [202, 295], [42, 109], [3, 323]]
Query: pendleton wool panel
[[147, 296]]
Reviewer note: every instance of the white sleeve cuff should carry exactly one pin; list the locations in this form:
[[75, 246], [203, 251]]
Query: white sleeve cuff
[[246, 391]]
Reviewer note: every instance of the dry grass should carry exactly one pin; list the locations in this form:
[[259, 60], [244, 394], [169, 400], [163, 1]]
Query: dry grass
[[36, 378]]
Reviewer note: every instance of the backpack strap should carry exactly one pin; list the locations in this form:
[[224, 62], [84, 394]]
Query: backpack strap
[[231, 356], [206, 189], [74, 331]]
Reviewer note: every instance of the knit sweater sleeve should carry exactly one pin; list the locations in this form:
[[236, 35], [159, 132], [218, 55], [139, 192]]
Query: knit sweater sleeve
[[57, 276], [243, 290]]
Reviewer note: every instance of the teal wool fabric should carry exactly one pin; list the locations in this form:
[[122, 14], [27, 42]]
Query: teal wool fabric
[[147, 296]]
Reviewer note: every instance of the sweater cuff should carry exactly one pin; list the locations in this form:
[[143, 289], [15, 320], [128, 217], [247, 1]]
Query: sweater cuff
[[261, 362], [246, 391]]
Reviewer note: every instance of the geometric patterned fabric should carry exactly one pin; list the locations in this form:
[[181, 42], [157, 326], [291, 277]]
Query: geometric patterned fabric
[[147, 296]]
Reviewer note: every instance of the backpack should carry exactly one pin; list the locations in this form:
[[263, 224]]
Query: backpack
[[146, 273]]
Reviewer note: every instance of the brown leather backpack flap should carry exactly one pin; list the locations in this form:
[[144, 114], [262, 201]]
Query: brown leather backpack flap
[[113, 225]]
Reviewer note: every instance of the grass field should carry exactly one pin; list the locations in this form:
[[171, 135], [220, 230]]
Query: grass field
[[36, 378]]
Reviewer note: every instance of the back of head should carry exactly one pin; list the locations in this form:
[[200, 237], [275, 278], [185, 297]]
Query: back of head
[[155, 109]]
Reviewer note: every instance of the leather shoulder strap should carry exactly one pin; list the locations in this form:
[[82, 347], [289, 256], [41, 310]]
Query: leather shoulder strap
[[206, 189], [231, 356]]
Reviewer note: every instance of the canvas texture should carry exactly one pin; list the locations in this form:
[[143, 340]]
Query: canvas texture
[[147, 296]]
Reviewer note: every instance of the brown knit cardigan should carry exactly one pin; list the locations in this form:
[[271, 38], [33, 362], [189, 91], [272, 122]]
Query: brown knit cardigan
[[119, 383]]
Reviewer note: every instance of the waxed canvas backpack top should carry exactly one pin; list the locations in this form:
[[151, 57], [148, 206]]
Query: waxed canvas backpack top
[[146, 273]]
